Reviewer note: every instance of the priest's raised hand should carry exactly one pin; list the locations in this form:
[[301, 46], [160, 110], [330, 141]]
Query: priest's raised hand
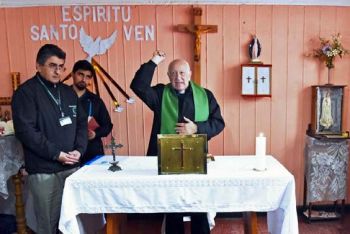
[[158, 57]]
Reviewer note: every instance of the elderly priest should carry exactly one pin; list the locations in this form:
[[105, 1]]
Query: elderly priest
[[181, 107]]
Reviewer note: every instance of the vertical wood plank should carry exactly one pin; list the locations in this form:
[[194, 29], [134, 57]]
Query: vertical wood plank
[[327, 29], [183, 42], [116, 64], [231, 77], [342, 69], [247, 107], [215, 73], [294, 132], [5, 81], [147, 15], [279, 85], [165, 31], [132, 62], [31, 47], [14, 28], [310, 69], [263, 104]]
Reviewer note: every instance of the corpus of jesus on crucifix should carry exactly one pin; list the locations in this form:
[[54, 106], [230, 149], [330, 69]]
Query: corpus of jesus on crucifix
[[197, 29]]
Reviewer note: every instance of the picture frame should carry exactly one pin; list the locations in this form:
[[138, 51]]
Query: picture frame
[[256, 80], [327, 109], [16, 80]]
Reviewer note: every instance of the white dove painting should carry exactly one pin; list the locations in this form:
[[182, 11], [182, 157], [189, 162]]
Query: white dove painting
[[96, 47]]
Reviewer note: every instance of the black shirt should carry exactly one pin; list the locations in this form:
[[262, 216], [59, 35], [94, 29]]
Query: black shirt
[[94, 106], [36, 121]]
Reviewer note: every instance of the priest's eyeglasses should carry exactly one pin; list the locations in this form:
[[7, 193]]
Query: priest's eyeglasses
[[56, 67], [175, 73]]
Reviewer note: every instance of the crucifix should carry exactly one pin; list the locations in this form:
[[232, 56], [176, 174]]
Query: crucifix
[[197, 29], [182, 148], [113, 146], [263, 79]]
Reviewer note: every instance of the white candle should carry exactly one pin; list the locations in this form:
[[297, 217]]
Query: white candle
[[260, 152]]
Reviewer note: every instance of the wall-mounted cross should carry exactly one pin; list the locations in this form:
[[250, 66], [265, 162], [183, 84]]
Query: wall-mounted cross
[[182, 148], [197, 29]]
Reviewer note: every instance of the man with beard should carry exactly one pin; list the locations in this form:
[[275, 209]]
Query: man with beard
[[100, 124]]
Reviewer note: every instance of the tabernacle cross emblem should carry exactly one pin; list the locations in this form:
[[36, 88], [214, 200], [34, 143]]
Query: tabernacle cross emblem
[[197, 29], [182, 148]]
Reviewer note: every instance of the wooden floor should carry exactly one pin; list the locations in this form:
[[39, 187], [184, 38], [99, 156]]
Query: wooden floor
[[225, 224], [234, 225]]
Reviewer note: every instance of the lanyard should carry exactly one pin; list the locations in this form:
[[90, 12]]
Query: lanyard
[[90, 107], [56, 100]]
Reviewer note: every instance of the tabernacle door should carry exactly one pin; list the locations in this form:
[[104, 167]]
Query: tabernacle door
[[182, 154]]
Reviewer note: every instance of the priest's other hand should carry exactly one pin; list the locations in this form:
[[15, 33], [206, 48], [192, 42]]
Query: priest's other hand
[[186, 128], [158, 57]]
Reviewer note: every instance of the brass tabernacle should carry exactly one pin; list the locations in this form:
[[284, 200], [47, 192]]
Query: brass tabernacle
[[182, 154]]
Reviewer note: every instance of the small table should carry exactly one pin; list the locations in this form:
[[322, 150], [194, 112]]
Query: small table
[[231, 185], [11, 160], [326, 162]]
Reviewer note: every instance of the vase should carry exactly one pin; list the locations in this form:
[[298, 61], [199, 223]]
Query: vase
[[330, 75]]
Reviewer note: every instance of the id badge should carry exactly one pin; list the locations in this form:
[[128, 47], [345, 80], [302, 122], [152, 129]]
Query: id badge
[[65, 121]]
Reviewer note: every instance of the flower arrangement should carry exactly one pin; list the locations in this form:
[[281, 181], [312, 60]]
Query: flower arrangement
[[329, 50]]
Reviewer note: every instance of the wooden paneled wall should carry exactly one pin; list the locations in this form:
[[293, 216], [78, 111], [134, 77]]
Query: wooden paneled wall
[[286, 33]]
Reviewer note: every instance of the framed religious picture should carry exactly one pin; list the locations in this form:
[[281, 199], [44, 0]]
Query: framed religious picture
[[256, 80], [327, 109]]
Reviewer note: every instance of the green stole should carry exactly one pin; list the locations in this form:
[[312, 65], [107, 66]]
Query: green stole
[[170, 107]]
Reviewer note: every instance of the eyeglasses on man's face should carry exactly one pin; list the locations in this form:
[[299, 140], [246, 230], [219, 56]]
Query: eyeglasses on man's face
[[177, 73], [56, 67]]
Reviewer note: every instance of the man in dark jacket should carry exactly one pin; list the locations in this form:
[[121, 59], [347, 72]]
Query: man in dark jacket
[[100, 124], [180, 107], [52, 126]]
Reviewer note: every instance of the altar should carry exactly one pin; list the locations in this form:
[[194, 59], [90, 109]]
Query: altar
[[231, 185]]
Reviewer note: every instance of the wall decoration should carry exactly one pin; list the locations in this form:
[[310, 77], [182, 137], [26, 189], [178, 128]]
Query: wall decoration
[[256, 80]]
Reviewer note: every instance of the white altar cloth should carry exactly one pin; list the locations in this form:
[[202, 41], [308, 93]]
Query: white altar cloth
[[231, 185]]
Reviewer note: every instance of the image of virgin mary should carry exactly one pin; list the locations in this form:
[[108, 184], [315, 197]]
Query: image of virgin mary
[[326, 119]]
